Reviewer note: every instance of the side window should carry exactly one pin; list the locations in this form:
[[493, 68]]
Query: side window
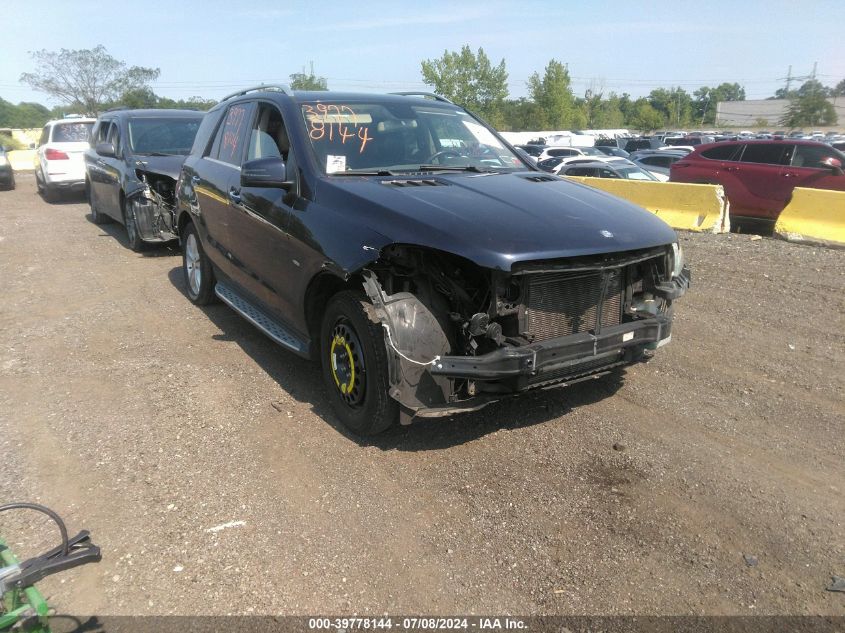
[[579, 171], [102, 132], [268, 137], [811, 156], [607, 173], [114, 137], [229, 144], [768, 154], [720, 152]]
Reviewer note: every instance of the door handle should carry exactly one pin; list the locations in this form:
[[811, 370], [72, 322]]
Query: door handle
[[789, 174], [731, 168], [235, 195]]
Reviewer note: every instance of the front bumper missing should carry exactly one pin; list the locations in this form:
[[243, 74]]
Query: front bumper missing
[[555, 355]]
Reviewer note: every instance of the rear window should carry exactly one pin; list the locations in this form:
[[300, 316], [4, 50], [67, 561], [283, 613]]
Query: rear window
[[562, 152], [768, 154], [72, 132], [721, 152]]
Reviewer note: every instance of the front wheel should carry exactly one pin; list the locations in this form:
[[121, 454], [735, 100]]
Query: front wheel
[[131, 224], [199, 276], [354, 361]]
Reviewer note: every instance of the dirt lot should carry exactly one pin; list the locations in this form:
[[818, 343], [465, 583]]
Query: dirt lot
[[152, 423]]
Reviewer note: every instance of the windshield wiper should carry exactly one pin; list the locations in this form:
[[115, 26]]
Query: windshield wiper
[[364, 172], [153, 154], [471, 168]]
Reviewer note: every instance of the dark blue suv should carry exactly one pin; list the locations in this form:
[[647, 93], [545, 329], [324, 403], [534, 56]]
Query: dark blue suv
[[132, 166], [400, 241]]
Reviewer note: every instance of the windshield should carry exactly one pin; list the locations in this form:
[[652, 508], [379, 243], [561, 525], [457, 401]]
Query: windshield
[[162, 136], [72, 132], [393, 137], [633, 173], [591, 151]]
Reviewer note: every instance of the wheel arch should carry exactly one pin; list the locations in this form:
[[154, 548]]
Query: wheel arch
[[319, 292]]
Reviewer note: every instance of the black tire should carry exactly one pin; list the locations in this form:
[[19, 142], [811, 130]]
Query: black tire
[[96, 216], [196, 268], [50, 195], [355, 369], [133, 238]]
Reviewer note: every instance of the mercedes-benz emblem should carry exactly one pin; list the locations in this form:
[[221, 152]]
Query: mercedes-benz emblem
[[606, 233]]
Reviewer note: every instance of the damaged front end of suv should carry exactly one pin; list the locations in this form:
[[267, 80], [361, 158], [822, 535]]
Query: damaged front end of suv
[[460, 336], [153, 202]]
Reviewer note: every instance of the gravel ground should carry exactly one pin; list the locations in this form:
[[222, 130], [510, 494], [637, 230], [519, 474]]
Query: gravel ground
[[207, 464]]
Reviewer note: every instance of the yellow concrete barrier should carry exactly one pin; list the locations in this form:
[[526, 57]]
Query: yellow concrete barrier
[[22, 159], [702, 208], [815, 216]]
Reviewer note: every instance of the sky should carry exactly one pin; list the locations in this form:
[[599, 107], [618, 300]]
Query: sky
[[211, 48]]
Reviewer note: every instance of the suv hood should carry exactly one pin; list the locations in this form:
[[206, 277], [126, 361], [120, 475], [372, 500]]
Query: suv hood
[[165, 165], [495, 220]]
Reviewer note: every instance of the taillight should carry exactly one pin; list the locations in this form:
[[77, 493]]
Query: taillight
[[54, 154]]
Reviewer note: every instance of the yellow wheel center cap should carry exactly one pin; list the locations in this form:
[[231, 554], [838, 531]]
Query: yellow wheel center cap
[[339, 345]]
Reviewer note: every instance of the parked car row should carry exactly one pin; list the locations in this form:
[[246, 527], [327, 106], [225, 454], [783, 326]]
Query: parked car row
[[396, 239]]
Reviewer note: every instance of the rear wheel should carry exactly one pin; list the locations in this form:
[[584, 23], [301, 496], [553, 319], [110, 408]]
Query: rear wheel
[[354, 361], [96, 216], [199, 276]]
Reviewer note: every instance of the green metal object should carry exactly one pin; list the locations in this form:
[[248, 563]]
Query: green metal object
[[19, 604]]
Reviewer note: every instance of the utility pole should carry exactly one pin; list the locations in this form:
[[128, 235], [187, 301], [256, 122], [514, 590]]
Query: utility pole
[[788, 78]]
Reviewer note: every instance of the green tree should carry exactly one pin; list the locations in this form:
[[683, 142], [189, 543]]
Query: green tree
[[310, 81], [89, 77], [644, 116], [809, 106], [520, 115], [470, 80], [839, 90], [23, 115], [553, 94], [608, 114], [706, 100], [674, 105], [137, 98]]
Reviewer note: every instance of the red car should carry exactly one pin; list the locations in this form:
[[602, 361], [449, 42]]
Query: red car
[[759, 176]]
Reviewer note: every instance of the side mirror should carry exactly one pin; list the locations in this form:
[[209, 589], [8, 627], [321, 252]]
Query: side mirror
[[834, 165], [105, 149], [265, 172]]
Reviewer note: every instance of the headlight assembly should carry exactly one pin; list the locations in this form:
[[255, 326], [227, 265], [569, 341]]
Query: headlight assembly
[[676, 260]]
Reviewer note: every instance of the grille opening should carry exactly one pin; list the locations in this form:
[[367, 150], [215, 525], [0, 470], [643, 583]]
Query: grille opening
[[561, 304]]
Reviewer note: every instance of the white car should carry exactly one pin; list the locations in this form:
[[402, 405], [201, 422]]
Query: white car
[[556, 151], [615, 161], [60, 156]]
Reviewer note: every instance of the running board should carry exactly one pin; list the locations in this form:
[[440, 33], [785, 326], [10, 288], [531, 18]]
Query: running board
[[260, 319]]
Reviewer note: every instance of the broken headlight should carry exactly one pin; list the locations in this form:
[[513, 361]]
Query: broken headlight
[[676, 260]]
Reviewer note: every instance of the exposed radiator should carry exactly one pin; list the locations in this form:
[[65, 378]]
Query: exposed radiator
[[560, 304]]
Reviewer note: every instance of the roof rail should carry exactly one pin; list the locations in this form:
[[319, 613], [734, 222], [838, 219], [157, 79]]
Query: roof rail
[[430, 95], [269, 87], [116, 108]]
